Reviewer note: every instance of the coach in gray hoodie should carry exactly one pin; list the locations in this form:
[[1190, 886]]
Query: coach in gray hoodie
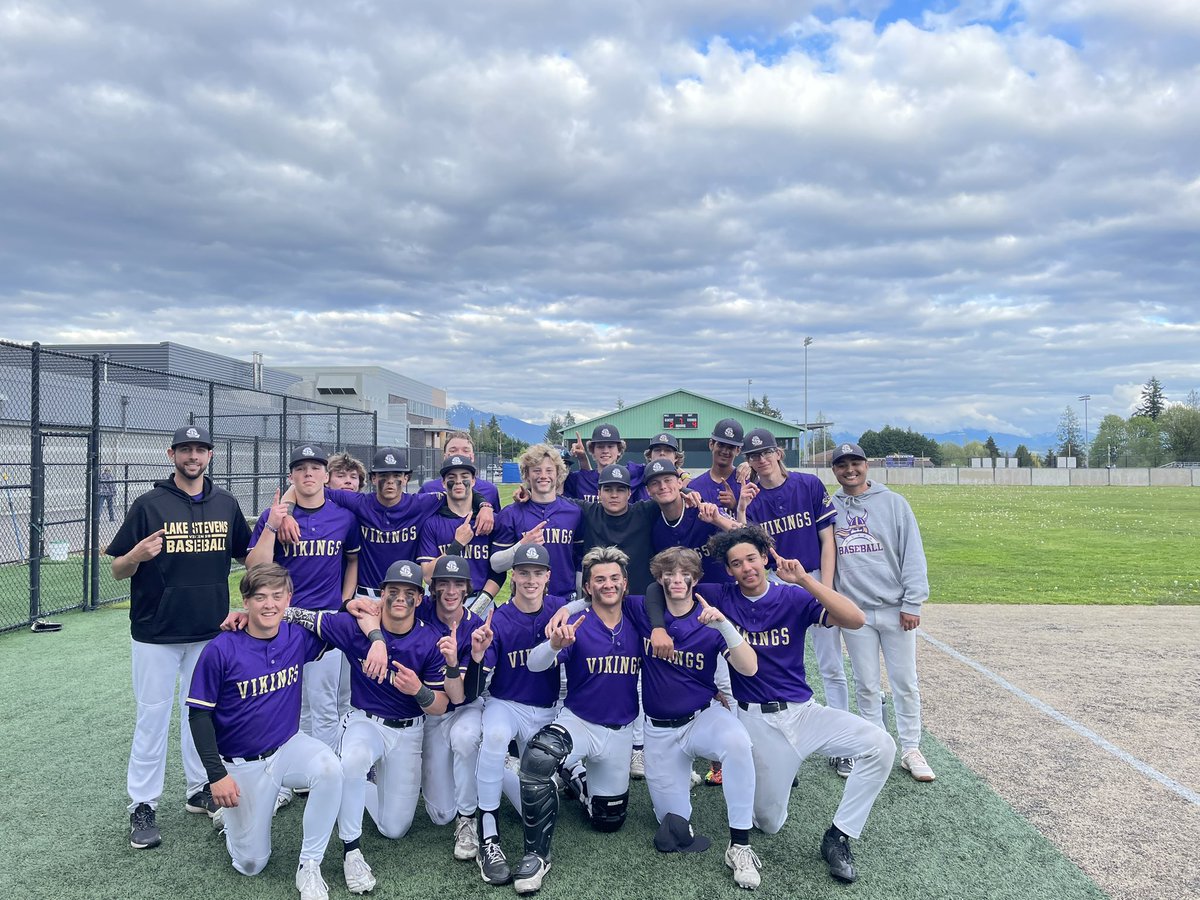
[[881, 567]]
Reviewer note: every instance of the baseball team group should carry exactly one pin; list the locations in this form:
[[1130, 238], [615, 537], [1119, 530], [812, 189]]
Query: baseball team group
[[653, 620]]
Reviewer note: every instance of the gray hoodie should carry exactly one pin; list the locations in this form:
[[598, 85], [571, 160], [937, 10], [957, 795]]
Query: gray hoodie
[[880, 560]]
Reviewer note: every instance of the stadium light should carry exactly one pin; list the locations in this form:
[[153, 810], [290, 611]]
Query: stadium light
[[1086, 461]]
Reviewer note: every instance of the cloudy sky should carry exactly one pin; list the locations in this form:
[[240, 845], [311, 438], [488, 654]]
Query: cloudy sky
[[977, 210]]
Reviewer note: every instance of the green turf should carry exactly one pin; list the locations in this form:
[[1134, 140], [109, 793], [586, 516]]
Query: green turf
[[65, 741]]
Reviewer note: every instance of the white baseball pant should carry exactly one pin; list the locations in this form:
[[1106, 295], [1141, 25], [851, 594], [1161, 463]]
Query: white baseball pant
[[303, 762], [827, 647], [606, 751], [449, 757], [320, 711], [396, 755], [504, 721], [883, 633]]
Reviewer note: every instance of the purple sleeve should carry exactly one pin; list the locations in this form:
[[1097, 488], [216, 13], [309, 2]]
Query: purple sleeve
[[314, 647], [353, 540], [427, 545], [205, 689], [433, 672], [351, 500], [338, 629], [432, 486], [824, 512], [635, 608]]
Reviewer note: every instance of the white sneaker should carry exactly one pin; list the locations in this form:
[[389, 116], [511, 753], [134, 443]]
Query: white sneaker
[[218, 820], [309, 882], [914, 761], [466, 838], [697, 778], [637, 764], [283, 798], [359, 877], [745, 864]]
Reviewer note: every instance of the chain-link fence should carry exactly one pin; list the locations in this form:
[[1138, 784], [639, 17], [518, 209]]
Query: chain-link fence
[[81, 438]]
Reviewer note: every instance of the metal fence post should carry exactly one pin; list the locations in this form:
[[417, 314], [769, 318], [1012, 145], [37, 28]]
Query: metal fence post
[[338, 437], [374, 431], [283, 453], [256, 471], [92, 544], [37, 482], [212, 409]]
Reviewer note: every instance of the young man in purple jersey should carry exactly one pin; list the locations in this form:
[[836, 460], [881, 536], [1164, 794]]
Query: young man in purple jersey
[[244, 703], [776, 705], [386, 727], [459, 444], [719, 484], [601, 654], [346, 473], [797, 513], [175, 546], [324, 569], [450, 749], [519, 702], [389, 519], [545, 519], [449, 530], [662, 446], [607, 447]]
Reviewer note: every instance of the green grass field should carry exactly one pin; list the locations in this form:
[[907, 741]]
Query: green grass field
[[65, 742]]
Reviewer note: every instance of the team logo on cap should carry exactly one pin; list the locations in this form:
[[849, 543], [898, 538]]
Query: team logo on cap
[[618, 473], [457, 461], [756, 441], [193, 433], [604, 432], [846, 448], [728, 432], [663, 438], [406, 571], [531, 553], [308, 451], [451, 566], [658, 467], [391, 461]]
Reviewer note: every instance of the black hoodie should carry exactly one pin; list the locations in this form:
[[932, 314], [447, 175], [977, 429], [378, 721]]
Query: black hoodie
[[182, 595]]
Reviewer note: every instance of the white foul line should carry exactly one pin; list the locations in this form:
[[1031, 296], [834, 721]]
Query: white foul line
[[1166, 781]]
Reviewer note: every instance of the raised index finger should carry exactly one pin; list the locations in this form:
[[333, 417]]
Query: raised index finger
[[488, 620], [703, 602], [576, 623], [275, 502]]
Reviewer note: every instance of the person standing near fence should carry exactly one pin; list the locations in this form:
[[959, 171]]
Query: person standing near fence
[[175, 545], [108, 490]]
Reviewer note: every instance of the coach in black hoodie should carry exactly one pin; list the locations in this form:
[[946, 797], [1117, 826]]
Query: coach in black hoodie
[[175, 544]]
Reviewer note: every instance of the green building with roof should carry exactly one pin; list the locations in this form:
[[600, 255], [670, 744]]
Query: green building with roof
[[690, 417]]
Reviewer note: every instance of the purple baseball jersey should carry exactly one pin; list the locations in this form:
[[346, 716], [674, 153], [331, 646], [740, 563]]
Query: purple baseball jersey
[[427, 613], [316, 562], [252, 687], [417, 649], [686, 682], [709, 490], [774, 625], [562, 533], [514, 634], [584, 484], [602, 671], [437, 534], [792, 514], [388, 533], [689, 531], [482, 486]]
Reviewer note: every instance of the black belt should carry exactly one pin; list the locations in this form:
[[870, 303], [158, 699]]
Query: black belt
[[368, 592], [773, 707], [249, 759], [672, 723], [394, 723]]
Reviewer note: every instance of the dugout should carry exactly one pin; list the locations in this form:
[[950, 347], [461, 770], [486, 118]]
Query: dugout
[[690, 417]]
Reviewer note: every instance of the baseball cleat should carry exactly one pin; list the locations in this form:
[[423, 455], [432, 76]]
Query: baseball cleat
[[835, 848], [218, 821], [359, 877], [913, 761], [143, 832], [529, 874], [745, 864], [283, 798], [637, 764], [309, 882], [696, 778], [843, 765], [466, 838], [201, 802], [493, 864], [713, 776]]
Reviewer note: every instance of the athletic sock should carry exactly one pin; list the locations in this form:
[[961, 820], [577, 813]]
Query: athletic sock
[[739, 835], [489, 828], [639, 747], [349, 847]]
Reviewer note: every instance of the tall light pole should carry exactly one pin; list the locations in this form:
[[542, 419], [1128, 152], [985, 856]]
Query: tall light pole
[[749, 381], [1085, 398], [804, 437]]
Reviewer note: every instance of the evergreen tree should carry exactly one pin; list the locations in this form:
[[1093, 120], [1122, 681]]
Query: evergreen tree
[[1069, 434], [554, 430], [1154, 400], [764, 407], [1024, 457], [1049, 459], [990, 446]]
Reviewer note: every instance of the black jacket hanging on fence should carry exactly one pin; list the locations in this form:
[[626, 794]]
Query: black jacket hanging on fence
[[182, 595]]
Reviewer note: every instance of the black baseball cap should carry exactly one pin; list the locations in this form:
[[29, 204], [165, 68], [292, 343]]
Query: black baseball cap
[[658, 468], [456, 462], [613, 475], [192, 434], [450, 567], [404, 571], [676, 835], [605, 434], [309, 452], [532, 555], [665, 440], [728, 431], [759, 439], [390, 459], [845, 451]]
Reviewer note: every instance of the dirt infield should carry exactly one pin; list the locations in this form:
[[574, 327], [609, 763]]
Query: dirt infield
[[1129, 674]]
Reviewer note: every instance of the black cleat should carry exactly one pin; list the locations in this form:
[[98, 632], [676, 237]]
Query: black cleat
[[143, 832], [202, 802], [493, 865], [835, 848]]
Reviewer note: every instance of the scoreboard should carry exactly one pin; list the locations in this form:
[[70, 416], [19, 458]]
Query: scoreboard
[[679, 421]]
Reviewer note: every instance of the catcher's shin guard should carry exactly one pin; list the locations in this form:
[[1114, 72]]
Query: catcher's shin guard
[[608, 813], [539, 798]]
